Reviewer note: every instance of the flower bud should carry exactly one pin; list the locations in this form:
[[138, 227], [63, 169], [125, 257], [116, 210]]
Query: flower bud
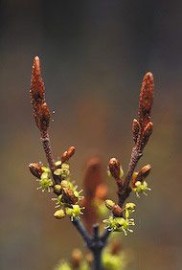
[[36, 169], [109, 204], [115, 168], [147, 133], [68, 154], [143, 173], [59, 214], [135, 130], [146, 97], [57, 189], [117, 211]]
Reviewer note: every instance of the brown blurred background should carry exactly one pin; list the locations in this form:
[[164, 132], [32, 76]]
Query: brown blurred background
[[94, 55]]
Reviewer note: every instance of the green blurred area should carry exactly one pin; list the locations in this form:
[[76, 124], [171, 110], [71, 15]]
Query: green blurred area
[[94, 55]]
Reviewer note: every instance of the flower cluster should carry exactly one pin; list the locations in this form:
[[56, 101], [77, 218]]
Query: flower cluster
[[139, 184], [120, 223], [68, 196], [68, 200], [113, 258]]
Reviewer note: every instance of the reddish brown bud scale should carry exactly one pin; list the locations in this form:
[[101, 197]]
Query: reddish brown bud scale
[[147, 133], [41, 111], [68, 154], [114, 168], [117, 210], [42, 117], [37, 89], [68, 196], [135, 129], [36, 169], [143, 173], [146, 97]]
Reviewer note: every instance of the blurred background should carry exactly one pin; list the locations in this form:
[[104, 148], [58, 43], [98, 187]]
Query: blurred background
[[94, 55]]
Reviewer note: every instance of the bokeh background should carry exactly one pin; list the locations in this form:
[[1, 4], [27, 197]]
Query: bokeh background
[[94, 55]]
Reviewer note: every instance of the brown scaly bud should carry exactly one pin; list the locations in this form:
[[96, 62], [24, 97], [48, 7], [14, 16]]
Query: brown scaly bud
[[143, 173], [114, 168], [69, 196], [41, 111], [146, 98], [42, 117], [135, 129], [68, 154], [36, 169], [147, 133], [116, 209], [76, 258], [37, 89]]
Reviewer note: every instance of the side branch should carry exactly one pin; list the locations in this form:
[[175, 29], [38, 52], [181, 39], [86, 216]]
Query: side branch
[[83, 232]]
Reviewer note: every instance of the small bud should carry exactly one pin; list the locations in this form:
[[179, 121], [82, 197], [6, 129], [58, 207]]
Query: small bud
[[76, 258], [68, 154], [147, 133], [143, 173], [135, 129], [115, 168], [57, 189], [65, 184], [59, 214], [36, 169], [130, 206], [109, 204], [117, 211]]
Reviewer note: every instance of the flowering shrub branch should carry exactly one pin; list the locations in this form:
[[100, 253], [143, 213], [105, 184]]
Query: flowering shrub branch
[[69, 201]]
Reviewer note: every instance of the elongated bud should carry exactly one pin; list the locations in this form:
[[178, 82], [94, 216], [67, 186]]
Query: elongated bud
[[115, 168], [59, 214], [36, 169], [135, 130], [146, 97], [41, 110], [147, 133], [143, 173], [68, 154], [37, 89]]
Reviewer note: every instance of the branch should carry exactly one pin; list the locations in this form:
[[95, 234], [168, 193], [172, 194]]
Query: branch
[[41, 113], [142, 130], [83, 232]]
